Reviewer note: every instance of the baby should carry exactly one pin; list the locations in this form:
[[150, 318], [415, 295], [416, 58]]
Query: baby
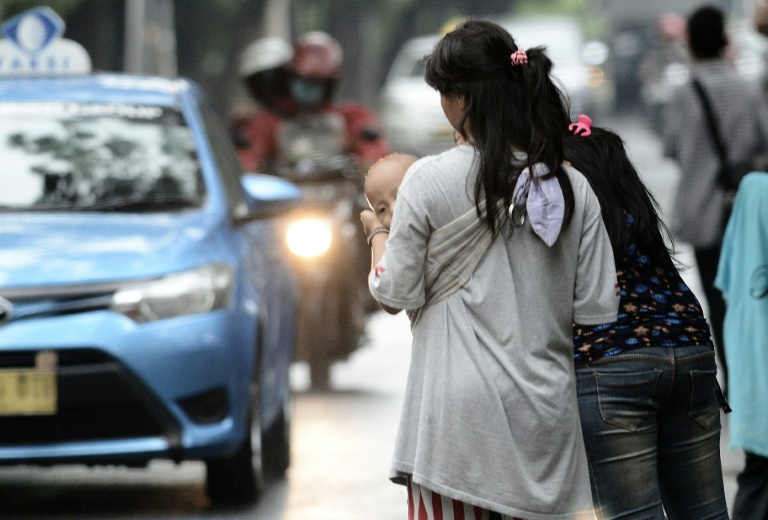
[[382, 182]]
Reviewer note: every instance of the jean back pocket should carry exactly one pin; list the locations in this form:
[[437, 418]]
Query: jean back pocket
[[626, 399], [704, 407]]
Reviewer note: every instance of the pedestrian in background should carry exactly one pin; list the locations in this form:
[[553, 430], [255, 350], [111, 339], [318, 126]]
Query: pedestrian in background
[[648, 395], [742, 276], [741, 114], [497, 247]]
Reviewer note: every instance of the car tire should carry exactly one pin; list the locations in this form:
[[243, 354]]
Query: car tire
[[237, 480], [276, 446]]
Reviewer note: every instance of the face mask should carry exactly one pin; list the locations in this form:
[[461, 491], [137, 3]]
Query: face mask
[[307, 93]]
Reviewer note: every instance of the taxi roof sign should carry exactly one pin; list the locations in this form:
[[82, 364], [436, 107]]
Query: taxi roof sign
[[33, 46]]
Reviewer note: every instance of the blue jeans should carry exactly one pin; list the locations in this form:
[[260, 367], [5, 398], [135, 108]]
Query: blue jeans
[[651, 423]]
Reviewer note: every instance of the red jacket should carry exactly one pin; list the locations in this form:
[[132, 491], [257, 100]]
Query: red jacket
[[259, 136]]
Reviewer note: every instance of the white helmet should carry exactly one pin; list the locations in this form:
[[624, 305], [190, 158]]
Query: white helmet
[[264, 54]]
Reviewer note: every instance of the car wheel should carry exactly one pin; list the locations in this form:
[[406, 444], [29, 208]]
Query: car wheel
[[237, 480], [276, 446]]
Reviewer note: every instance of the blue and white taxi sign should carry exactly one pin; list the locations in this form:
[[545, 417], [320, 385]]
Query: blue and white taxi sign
[[33, 46]]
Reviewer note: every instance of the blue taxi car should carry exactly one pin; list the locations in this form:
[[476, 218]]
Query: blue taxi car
[[146, 303]]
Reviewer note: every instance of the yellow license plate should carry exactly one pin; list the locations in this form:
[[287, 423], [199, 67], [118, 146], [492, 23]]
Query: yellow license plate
[[27, 392]]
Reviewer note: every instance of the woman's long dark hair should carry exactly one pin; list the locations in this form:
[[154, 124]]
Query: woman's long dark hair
[[506, 106], [603, 160]]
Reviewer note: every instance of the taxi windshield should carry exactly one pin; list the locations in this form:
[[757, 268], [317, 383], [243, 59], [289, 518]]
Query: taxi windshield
[[96, 157]]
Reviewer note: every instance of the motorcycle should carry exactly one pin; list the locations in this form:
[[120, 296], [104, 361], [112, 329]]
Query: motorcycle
[[331, 259]]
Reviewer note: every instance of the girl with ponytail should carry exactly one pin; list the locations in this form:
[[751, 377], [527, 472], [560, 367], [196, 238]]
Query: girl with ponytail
[[495, 249], [648, 393], [512, 103]]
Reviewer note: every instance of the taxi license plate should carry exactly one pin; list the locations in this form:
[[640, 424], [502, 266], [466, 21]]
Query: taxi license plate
[[27, 392]]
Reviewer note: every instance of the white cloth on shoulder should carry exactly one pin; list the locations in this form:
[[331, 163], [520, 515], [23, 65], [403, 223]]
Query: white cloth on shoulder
[[456, 249]]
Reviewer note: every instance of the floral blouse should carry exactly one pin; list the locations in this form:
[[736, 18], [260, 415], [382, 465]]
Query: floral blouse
[[657, 309]]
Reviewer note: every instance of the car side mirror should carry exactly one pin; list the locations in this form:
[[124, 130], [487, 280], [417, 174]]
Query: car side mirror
[[268, 196]]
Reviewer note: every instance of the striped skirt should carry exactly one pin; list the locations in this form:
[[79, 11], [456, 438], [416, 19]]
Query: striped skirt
[[424, 504]]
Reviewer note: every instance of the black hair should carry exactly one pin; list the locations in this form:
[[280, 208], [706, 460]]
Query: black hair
[[603, 160], [506, 106], [706, 32]]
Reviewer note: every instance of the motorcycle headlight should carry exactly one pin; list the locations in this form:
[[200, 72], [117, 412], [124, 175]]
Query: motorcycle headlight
[[309, 237], [191, 292]]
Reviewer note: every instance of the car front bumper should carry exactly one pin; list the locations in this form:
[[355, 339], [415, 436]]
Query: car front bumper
[[128, 393]]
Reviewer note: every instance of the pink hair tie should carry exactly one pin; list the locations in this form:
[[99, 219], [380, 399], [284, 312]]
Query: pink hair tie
[[519, 57], [582, 127]]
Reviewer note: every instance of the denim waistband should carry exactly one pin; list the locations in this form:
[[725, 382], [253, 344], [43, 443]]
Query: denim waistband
[[660, 354]]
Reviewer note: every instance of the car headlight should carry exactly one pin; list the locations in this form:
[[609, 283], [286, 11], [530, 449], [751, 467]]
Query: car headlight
[[309, 237], [191, 292]]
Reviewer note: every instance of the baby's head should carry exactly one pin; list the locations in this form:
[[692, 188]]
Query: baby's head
[[382, 182]]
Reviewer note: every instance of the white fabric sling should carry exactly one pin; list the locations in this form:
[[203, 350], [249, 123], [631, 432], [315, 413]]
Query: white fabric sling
[[453, 253], [455, 250]]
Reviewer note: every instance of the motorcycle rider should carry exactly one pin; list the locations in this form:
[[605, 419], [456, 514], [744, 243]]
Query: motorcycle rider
[[300, 111], [324, 146], [265, 69]]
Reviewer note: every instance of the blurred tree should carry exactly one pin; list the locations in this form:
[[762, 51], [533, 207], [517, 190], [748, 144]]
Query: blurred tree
[[98, 26], [210, 35], [372, 33], [10, 8], [567, 7]]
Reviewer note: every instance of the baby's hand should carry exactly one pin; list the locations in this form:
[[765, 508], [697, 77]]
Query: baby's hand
[[370, 221]]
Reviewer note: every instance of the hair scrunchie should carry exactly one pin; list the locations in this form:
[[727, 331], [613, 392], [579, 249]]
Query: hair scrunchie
[[519, 58], [582, 127]]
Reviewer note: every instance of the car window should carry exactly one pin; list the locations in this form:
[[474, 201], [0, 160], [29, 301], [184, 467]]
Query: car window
[[60, 156]]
